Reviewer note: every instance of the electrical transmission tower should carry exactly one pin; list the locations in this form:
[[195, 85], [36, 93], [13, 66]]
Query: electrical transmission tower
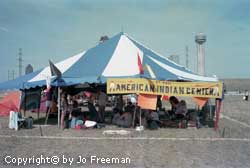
[[20, 61], [13, 74]]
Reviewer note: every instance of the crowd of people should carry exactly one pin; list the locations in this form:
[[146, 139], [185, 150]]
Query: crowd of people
[[124, 113]]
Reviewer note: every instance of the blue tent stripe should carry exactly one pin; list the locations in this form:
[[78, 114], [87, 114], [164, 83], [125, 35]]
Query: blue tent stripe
[[18, 83], [161, 73], [147, 51], [94, 60]]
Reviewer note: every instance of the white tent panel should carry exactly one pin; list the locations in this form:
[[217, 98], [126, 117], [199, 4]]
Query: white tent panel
[[125, 52], [62, 66]]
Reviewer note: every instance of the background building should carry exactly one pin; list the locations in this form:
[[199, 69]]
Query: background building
[[28, 69], [174, 58]]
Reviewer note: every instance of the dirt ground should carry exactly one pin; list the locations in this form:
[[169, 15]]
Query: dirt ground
[[191, 147]]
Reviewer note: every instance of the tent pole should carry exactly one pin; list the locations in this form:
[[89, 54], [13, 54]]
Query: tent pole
[[134, 115], [59, 106], [24, 107], [210, 109], [140, 118], [217, 117], [38, 109], [38, 113], [20, 102]]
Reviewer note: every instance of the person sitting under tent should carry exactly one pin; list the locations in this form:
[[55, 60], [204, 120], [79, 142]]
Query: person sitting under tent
[[174, 102], [75, 110], [130, 107], [181, 110], [153, 121], [123, 119], [119, 103], [74, 114], [116, 116]]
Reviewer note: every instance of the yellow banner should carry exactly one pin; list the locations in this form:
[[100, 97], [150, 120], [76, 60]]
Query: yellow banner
[[155, 87]]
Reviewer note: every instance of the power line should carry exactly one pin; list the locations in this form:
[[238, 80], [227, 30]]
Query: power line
[[187, 57], [8, 74], [11, 75]]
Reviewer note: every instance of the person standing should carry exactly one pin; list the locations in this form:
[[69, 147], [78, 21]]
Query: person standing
[[65, 108], [48, 93], [93, 113], [102, 101]]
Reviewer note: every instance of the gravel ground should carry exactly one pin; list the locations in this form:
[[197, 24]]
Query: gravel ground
[[229, 147]]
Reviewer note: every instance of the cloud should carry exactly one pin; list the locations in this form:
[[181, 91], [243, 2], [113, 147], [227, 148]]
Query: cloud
[[4, 29]]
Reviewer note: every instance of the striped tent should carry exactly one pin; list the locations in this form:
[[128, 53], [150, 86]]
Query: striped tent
[[119, 57]]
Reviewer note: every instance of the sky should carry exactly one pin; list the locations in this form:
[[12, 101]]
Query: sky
[[57, 29]]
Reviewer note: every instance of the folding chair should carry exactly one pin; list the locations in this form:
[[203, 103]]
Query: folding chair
[[15, 120], [21, 122]]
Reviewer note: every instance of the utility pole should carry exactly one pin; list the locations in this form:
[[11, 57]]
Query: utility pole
[[186, 56], [13, 74], [20, 61]]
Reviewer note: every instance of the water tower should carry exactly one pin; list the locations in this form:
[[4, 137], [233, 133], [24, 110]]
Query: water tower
[[200, 39]]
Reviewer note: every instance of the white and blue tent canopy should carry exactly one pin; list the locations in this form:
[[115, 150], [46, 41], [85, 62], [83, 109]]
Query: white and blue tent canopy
[[114, 58]]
